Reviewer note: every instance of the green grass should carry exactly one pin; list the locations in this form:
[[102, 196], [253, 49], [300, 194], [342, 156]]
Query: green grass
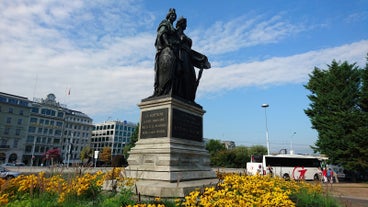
[[305, 199]]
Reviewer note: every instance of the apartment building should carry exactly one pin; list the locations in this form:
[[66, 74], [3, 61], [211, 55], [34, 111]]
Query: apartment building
[[14, 121], [77, 133], [113, 134], [54, 126]]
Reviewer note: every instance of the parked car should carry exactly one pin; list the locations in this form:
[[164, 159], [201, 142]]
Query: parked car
[[7, 174], [8, 164], [339, 171], [20, 164]]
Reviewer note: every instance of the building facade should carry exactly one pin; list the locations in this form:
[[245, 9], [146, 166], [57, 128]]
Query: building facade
[[113, 134], [31, 131], [229, 144], [14, 122], [77, 134], [54, 126]]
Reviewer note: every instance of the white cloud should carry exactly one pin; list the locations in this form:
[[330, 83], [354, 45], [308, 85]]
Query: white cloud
[[356, 17], [280, 70], [244, 32], [49, 47]]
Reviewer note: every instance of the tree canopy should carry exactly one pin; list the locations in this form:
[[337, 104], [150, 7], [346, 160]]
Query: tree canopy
[[105, 155], [338, 111], [235, 158], [213, 146], [86, 152]]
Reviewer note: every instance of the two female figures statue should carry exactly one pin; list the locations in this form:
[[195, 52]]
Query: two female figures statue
[[175, 60]]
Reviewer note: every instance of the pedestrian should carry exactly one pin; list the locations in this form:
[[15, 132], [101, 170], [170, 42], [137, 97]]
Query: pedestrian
[[335, 176], [259, 170], [270, 170], [324, 174], [330, 175]]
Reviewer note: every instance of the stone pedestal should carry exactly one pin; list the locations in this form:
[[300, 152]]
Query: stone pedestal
[[170, 159]]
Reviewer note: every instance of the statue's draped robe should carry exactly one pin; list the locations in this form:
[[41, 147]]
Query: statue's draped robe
[[175, 62]]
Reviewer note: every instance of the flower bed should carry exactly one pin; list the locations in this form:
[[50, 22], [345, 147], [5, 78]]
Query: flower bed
[[86, 190]]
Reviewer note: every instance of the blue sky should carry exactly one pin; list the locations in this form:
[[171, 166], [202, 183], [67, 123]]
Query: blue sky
[[260, 51]]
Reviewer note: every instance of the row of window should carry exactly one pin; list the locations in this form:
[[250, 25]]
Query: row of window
[[56, 132], [107, 139], [49, 131], [102, 145], [8, 120], [43, 140], [4, 142], [8, 131], [75, 141], [11, 111], [46, 122], [76, 119], [49, 141], [120, 133], [79, 127], [77, 134], [48, 112], [74, 151], [37, 149], [121, 127], [13, 101], [116, 150], [44, 112], [43, 149]]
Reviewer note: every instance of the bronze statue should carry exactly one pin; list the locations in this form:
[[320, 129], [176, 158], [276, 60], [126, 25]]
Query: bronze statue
[[175, 60]]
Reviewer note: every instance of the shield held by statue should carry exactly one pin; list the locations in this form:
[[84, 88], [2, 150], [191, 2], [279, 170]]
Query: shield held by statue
[[199, 60]]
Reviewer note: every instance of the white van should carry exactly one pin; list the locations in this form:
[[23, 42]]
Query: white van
[[338, 170], [254, 168]]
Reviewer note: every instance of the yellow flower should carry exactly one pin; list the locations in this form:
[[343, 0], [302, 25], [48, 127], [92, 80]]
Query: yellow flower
[[4, 199]]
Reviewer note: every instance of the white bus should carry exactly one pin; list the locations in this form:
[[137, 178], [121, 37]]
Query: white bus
[[288, 166]]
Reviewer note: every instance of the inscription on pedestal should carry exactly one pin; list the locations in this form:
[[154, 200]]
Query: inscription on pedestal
[[154, 123], [187, 126]]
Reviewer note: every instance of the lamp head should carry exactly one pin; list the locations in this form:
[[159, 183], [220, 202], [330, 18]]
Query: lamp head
[[265, 105]]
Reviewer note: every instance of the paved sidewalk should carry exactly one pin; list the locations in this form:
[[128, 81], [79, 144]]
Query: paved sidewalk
[[350, 194]]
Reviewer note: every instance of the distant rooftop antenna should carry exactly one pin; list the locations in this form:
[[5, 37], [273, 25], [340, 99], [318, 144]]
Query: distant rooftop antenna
[[108, 118], [35, 86]]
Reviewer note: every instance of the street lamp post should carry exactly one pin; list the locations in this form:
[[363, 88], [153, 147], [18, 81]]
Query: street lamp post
[[291, 143], [96, 157], [265, 106]]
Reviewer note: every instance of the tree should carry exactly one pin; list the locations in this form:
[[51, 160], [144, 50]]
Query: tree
[[213, 146], [118, 161], [86, 155], [218, 153], [234, 158], [363, 102], [53, 156], [105, 155], [241, 157], [257, 150], [131, 144], [336, 113]]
